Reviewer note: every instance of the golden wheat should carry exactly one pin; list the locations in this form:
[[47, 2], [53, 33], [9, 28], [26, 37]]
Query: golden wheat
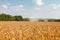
[[29, 30]]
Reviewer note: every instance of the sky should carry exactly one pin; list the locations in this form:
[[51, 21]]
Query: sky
[[31, 8]]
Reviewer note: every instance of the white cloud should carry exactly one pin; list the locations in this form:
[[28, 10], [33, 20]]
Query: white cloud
[[39, 2], [48, 11], [12, 9], [36, 8], [54, 6], [4, 6], [19, 7]]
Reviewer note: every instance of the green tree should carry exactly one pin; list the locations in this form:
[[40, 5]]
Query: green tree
[[6, 17], [18, 18]]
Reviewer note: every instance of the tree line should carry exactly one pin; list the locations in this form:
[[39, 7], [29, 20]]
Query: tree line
[[7, 17]]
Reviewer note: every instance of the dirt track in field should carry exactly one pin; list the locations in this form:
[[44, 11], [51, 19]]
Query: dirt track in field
[[29, 30]]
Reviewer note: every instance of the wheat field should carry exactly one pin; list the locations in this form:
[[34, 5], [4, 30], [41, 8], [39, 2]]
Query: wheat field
[[29, 30]]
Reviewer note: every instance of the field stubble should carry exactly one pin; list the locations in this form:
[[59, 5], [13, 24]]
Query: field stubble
[[29, 30]]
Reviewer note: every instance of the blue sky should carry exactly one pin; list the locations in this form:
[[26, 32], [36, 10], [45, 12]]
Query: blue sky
[[31, 8]]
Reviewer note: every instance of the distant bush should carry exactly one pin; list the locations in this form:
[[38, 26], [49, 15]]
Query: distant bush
[[53, 20], [26, 19], [49, 20]]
